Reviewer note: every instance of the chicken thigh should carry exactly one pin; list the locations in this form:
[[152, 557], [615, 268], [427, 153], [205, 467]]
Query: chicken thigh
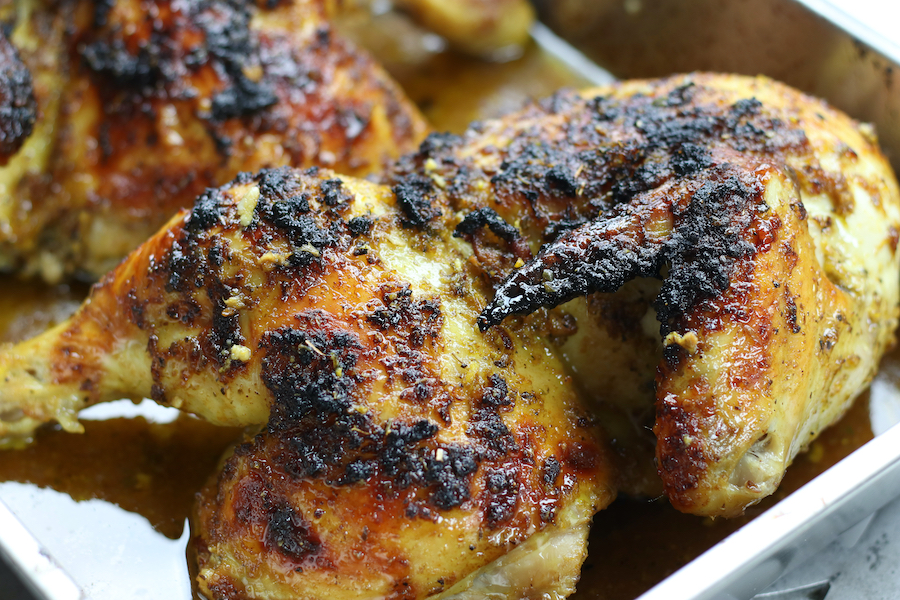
[[142, 104], [764, 223]]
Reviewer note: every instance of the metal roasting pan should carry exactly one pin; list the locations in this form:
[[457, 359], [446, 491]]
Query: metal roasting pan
[[820, 49], [806, 43]]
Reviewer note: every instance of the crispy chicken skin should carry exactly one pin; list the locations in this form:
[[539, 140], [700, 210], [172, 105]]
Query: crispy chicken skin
[[765, 221], [142, 104], [406, 453]]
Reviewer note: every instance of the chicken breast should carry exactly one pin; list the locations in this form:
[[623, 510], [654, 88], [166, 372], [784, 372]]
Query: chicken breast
[[766, 223], [142, 104]]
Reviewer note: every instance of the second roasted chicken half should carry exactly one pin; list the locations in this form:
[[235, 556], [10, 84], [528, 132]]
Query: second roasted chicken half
[[403, 454], [139, 105]]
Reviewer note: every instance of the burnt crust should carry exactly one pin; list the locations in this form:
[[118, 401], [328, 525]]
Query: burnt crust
[[575, 182], [18, 107]]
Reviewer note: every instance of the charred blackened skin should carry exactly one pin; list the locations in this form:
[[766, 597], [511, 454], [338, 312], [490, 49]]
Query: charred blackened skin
[[482, 217], [18, 108], [333, 192], [658, 144], [322, 437], [580, 182], [228, 43], [282, 204], [207, 211], [415, 195], [288, 533], [604, 254], [360, 225]]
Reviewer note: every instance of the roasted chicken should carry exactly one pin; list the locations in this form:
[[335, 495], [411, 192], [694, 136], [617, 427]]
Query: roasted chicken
[[764, 223], [404, 452], [142, 104], [741, 234]]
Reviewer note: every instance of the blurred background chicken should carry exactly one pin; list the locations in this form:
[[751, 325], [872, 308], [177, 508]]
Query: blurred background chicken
[[142, 104]]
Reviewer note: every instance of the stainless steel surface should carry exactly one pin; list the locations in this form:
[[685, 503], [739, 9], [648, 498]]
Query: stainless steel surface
[[40, 572], [823, 50], [796, 528]]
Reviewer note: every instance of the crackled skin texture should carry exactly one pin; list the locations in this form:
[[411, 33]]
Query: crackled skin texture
[[143, 104], [403, 453], [758, 225]]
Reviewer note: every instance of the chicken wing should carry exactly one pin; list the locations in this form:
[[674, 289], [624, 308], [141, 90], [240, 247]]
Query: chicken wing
[[404, 451], [765, 224], [143, 104]]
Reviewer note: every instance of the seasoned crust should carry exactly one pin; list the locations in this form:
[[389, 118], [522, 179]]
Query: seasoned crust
[[717, 185]]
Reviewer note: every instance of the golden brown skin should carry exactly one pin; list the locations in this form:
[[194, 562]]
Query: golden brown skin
[[405, 453], [771, 220], [145, 103]]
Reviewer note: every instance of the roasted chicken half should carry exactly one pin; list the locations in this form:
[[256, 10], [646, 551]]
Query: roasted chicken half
[[761, 225], [404, 452], [142, 104], [733, 244]]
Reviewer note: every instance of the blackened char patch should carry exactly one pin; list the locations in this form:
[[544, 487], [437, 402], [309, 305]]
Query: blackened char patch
[[551, 470], [18, 107], [289, 534], [230, 43], [482, 217], [415, 195], [285, 205], [563, 180], [500, 496], [360, 225], [450, 474], [113, 59], [487, 425], [243, 97], [207, 211], [602, 255], [705, 246], [689, 159], [333, 192]]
